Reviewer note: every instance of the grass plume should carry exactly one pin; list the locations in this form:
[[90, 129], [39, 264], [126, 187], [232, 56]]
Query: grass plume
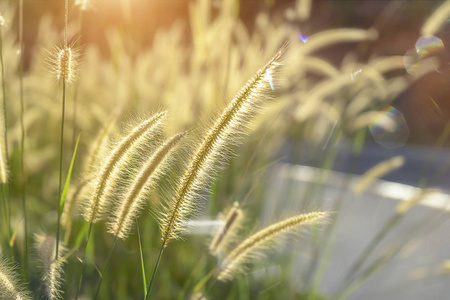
[[225, 234], [259, 241], [378, 171], [10, 287], [125, 213], [107, 175], [51, 267], [63, 63], [224, 131]]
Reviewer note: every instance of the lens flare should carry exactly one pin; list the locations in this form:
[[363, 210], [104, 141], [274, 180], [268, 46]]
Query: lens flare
[[411, 61], [270, 80], [435, 108], [303, 38], [354, 74], [389, 128], [428, 45]]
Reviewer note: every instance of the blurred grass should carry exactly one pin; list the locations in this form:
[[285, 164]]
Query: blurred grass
[[190, 68]]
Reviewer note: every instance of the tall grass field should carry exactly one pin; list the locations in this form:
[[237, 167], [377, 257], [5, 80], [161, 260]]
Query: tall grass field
[[233, 149]]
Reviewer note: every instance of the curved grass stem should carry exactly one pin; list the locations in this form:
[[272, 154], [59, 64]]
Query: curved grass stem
[[22, 144], [60, 165], [144, 281], [83, 261], [104, 268], [155, 270], [4, 158], [76, 86]]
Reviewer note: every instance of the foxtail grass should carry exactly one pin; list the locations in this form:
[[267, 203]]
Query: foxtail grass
[[97, 148], [10, 285], [52, 270], [255, 244], [225, 234], [378, 171], [63, 63], [215, 145], [224, 132], [108, 175], [125, 213]]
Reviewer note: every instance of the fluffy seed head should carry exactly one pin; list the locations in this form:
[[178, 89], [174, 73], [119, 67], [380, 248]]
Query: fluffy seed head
[[215, 147], [109, 173], [255, 244], [224, 235], [10, 288], [52, 268], [63, 62], [134, 200]]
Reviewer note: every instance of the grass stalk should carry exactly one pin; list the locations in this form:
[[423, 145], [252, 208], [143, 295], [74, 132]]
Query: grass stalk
[[6, 212], [66, 16], [104, 268], [60, 165], [83, 263], [368, 250], [325, 250], [144, 281], [22, 144], [155, 270], [4, 158], [328, 237], [76, 87]]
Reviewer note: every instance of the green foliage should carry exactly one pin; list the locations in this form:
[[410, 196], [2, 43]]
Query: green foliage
[[138, 172]]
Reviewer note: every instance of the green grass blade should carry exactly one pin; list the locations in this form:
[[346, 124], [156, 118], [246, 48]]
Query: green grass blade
[[144, 281], [69, 175]]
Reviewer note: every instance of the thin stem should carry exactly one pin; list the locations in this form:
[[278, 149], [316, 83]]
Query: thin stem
[[372, 245], [214, 280], [60, 166], [104, 268], [144, 282], [6, 203], [199, 266], [75, 95], [155, 269], [4, 96], [328, 237], [6, 209], [66, 21], [83, 261], [22, 142]]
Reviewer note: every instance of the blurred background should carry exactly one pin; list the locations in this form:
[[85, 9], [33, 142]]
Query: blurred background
[[359, 125], [425, 105]]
